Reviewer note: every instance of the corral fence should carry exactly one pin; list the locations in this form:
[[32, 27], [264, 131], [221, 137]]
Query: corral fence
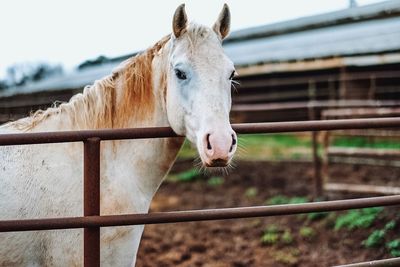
[[91, 220], [336, 109]]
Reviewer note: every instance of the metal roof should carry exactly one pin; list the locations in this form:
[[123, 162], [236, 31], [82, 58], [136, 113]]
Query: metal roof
[[380, 10], [73, 80], [366, 37], [366, 30]]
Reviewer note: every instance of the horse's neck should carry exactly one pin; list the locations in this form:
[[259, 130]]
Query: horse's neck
[[137, 165], [146, 162]]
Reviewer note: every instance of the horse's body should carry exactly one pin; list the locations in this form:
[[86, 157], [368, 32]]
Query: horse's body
[[42, 181]]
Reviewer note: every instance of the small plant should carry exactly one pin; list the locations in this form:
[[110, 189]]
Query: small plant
[[375, 239], [269, 238], [271, 229], [354, 219], [287, 238], [215, 181], [298, 200], [270, 235], [289, 258], [280, 200], [251, 192], [277, 200], [390, 225], [394, 247], [307, 232], [314, 216], [188, 176]]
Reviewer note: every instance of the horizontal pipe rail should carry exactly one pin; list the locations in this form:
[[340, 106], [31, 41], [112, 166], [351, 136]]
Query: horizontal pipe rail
[[393, 262], [270, 82], [162, 132], [315, 104], [194, 215]]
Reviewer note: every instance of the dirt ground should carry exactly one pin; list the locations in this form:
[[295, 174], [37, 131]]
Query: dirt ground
[[237, 242]]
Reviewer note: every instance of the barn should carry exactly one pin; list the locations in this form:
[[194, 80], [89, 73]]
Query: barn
[[351, 54]]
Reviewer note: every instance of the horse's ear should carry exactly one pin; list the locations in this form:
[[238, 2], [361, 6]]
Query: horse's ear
[[223, 23], [179, 22]]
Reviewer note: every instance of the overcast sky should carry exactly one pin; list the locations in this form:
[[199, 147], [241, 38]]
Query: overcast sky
[[71, 31]]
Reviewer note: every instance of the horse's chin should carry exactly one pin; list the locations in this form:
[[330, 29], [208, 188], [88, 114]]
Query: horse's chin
[[219, 163]]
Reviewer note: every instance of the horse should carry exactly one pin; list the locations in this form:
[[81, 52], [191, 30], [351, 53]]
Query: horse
[[183, 81]]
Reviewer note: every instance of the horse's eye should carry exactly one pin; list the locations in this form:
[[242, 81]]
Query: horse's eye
[[232, 75], [180, 74]]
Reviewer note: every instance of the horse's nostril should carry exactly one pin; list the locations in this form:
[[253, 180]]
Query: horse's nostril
[[233, 143], [209, 147]]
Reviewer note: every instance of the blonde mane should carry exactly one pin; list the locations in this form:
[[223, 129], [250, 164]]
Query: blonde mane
[[97, 106]]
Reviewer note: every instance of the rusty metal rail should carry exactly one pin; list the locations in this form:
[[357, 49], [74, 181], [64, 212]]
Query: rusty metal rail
[[194, 215], [92, 221], [162, 132]]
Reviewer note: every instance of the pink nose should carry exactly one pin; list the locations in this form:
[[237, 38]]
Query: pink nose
[[219, 148]]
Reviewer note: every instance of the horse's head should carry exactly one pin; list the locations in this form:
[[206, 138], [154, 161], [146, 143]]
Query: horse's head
[[199, 87]]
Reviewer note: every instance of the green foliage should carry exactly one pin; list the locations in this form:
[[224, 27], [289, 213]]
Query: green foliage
[[277, 200], [394, 247], [375, 239], [287, 238], [272, 228], [390, 225], [251, 192], [215, 181], [298, 200], [289, 258], [364, 142], [394, 244], [188, 176], [314, 216], [282, 140], [187, 151], [269, 238], [280, 200], [307, 232], [354, 219], [270, 235], [395, 252]]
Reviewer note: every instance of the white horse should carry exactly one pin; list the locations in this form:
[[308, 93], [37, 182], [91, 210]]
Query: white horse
[[183, 81]]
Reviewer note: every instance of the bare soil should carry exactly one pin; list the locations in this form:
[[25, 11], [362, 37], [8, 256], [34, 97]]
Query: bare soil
[[237, 242]]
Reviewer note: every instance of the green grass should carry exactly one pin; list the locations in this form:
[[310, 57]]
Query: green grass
[[280, 200], [185, 176], [284, 140], [270, 235], [251, 192], [394, 247], [365, 143], [307, 232], [375, 239], [287, 238], [215, 181]]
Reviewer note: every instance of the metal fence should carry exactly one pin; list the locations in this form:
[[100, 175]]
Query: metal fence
[[92, 221]]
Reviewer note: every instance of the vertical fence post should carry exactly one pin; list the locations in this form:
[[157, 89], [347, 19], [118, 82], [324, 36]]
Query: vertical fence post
[[318, 186], [91, 201]]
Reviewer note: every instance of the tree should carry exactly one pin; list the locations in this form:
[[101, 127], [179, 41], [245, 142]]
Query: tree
[[22, 73], [3, 84]]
